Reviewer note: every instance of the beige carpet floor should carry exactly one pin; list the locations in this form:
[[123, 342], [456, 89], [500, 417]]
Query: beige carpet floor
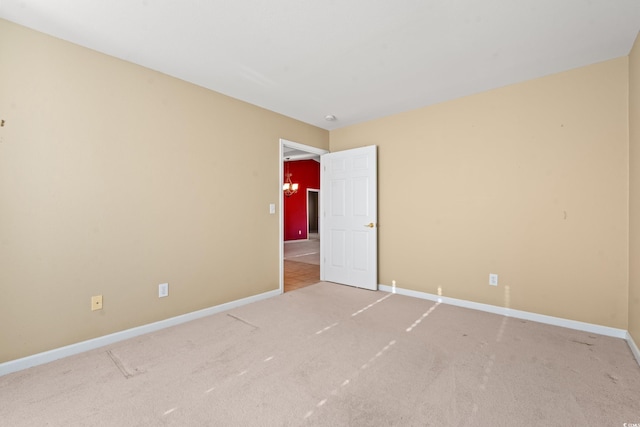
[[331, 355]]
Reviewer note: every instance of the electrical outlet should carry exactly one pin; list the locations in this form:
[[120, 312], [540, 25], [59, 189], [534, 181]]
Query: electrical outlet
[[163, 290], [96, 303], [493, 279]]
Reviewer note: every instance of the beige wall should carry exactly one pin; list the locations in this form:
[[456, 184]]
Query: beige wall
[[528, 181], [634, 192], [115, 178]]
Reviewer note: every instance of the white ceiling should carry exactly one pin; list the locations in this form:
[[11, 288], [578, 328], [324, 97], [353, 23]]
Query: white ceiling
[[355, 59], [290, 154]]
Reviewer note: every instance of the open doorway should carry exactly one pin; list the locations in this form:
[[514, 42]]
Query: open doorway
[[313, 213], [301, 232], [300, 242]]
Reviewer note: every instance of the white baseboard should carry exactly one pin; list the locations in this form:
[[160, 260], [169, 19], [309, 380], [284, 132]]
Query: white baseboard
[[518, 314], [633, 347], [69, 350]]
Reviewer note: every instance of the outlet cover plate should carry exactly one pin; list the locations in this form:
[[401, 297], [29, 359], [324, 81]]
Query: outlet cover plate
[[493, 279], [163, 290]]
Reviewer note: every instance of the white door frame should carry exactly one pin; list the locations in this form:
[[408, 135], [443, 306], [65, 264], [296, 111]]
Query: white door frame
[[297, 146]]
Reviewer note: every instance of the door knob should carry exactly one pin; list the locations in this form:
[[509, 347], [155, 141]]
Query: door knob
[[370, 225]]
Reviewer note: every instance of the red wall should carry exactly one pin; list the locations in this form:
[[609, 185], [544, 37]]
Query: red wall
[[307, 174]]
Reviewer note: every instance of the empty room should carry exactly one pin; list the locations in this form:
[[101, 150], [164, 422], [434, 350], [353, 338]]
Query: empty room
[[475, 221]]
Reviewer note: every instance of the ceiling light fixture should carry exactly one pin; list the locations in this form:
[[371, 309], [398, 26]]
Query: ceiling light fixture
[[289, 187], [330, 118]]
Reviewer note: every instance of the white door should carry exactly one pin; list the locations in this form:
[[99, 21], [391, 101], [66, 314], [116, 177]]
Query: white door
[[349, 235]]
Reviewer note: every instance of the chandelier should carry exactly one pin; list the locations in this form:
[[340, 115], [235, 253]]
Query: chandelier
[[288, 186]]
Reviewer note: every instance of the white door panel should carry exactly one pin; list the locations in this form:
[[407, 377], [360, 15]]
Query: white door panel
[[349, 244]]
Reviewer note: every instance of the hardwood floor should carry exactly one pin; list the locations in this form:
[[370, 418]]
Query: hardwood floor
[[299, 274], [301, 262]]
